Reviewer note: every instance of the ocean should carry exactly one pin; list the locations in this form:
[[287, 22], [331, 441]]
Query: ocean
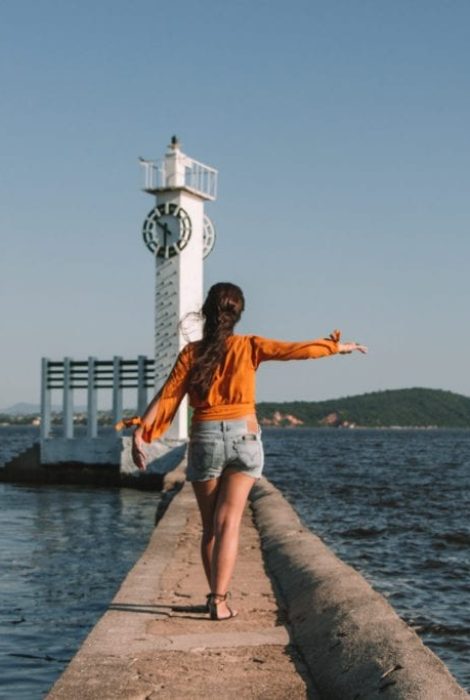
[[64, 551], [392, 503], [395, 505]]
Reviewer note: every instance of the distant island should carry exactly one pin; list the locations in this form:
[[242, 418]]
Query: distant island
[[395, 408], [420, 408]]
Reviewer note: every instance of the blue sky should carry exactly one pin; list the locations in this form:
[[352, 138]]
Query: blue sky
[[340, 131]]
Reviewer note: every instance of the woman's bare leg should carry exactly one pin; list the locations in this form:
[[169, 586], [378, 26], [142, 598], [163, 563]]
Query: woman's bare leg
[[231, 498], [206, 497]]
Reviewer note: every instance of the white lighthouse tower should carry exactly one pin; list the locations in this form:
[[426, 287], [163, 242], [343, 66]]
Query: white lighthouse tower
[[180, 236]]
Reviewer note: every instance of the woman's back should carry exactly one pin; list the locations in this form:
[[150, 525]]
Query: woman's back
[[232, 390], [233, 387]]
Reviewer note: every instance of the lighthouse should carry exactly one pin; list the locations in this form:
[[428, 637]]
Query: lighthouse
[[179, 235]]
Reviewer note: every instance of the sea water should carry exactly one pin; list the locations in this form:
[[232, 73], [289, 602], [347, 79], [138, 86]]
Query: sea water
[[64, 551], [392, 503], [395, 505]]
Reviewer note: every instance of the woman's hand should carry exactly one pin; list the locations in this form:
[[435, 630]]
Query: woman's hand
[[346, 348], [138, 454]]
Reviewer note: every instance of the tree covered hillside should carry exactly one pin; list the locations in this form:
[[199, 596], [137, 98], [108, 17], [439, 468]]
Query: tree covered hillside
[[399, 407]]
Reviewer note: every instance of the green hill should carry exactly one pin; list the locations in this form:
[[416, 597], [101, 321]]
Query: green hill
[[398, 407]]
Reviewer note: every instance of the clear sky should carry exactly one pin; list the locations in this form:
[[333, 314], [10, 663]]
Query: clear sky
[[341, 133]]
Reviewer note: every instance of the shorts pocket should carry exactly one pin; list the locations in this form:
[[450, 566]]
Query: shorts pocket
[[248, 451], [202, 454]]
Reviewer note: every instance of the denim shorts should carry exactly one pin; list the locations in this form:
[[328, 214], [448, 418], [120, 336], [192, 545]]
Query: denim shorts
[[215, 445]]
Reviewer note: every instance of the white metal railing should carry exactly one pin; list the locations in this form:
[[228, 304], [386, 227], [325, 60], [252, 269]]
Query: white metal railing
[[201, 178], [92, 374], [154, 174], [195, 175]]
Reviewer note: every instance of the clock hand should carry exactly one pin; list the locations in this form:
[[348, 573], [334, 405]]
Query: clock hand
[[166, 232], [164, 226]]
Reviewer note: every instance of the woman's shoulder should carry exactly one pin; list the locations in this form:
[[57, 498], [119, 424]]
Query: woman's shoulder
[[188, 351], [248, 339], [241, 339], [244, 343]]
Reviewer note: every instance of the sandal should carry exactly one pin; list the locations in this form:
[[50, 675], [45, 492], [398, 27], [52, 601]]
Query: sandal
[[213, 600]]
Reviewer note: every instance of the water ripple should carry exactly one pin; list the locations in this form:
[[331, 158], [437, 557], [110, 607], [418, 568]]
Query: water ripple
[[64, 550], [395, 505]]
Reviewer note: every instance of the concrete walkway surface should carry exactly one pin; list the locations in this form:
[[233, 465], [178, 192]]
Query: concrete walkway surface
[[156, 640]]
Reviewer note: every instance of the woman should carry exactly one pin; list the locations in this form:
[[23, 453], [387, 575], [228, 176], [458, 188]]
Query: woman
[[225, 454]]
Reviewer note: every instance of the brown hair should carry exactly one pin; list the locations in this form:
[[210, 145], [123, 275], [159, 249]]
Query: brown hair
[[221, 310]]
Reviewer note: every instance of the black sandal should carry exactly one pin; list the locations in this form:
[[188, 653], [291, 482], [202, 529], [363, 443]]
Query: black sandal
[[213, 600]]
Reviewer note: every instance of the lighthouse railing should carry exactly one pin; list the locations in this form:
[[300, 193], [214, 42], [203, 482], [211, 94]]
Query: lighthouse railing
[[154, 174], [198, 177]]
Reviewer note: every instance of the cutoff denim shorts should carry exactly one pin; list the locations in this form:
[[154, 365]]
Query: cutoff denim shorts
[[215, 445]]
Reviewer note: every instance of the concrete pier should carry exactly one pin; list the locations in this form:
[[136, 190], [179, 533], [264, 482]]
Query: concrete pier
[[115, 468], [156, 640], [308, 626]]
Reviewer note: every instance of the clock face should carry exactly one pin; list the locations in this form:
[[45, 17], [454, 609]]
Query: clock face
[[208, 237], [167, 230]]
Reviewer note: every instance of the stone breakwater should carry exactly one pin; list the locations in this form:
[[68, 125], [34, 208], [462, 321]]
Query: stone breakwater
[[351, 639], [323, 632]]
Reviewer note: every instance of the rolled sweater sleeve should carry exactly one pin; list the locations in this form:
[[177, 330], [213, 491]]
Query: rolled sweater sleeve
[[264, 349], [169, 398]]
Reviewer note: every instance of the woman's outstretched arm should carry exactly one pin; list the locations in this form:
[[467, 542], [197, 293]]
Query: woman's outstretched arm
[[160, 412], [147, 418], [264, 349], [347, 348]]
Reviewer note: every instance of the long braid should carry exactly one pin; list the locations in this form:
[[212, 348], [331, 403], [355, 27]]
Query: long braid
[[222, 309]]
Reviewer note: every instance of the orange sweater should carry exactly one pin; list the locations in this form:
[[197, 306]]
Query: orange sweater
[[232, 393]]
